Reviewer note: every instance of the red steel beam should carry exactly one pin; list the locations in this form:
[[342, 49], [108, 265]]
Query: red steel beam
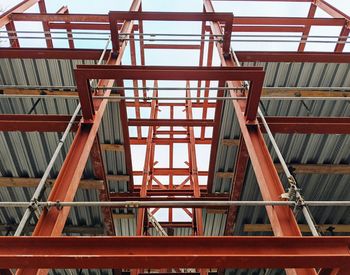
[[243, 56], [237, 185], [64, 10], [170, 72], [95, 18], [103, 193], [207, 82], [172, 16], [331, 10], [157, 188], [5, 18], [114, 16], [172, 46], [41, 123], [52, 53], [46, 28], [344, 36], [116, 197], [291, 125], [166, 141], [135, 83], [215, 138], [165, 252], [197, 218], [306, 31], [241, 28], [82, 26], [171, 164], [52, 221], [173, 122], [174, 104], [148, 168], [314, 57], [282, 219], [167, 171], [11, 30], [180, 16], [288, 21], [308, 125], [176, 192], [334, 12]]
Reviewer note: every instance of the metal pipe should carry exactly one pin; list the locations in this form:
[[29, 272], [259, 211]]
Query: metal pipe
[[275, 146], [57, 87], [310, 221], [165, 204], [119, 98], [174, 34], [290, 177], [181, 40], [177, 34], [41, 185], [113, 88]]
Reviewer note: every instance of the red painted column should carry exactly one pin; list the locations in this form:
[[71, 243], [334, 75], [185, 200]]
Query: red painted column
[[52, 221], [281, 218]]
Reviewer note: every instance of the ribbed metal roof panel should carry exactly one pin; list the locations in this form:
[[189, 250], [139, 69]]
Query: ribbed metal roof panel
[[16, 159], [313, 149]]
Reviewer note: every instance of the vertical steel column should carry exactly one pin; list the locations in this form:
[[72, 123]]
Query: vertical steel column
[[52, 221], [148, 168], [142, 50], [192, 158], [48, 38], [334, 12], [5, 20], [171, 160], [99, 172], [282, 219], [135, 83], [215, 138], [207, 85], [148, 165], [64, 10], [237, 185], [306, 31], [344, 34], [11, 30], [193, 163]]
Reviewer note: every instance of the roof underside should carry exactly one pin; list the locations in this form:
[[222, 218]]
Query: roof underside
[[27, 154]]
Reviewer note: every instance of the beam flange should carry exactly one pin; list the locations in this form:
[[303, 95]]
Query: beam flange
[[165, 252]]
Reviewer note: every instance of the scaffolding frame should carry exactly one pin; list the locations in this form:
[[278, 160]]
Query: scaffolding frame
[[287, 249]]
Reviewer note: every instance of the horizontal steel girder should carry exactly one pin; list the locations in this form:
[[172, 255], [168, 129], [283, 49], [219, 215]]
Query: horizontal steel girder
[[172, 252], [246, 56], [301, 125]]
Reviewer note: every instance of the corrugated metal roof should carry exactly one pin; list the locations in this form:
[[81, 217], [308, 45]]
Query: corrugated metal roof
[[296, 148], [27, 154], [43, 72]]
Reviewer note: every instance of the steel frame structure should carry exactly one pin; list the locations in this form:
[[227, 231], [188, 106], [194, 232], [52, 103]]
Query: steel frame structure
[[287, 249]]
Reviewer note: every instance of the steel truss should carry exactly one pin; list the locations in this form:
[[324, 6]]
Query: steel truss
[[287, 249]]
